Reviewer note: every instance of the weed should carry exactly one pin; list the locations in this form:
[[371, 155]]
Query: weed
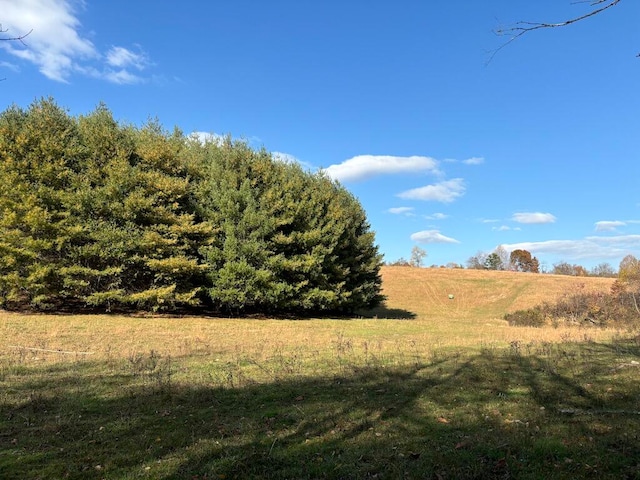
[[153, 367]]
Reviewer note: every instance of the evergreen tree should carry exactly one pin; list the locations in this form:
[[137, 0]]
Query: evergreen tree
[[94, 213]]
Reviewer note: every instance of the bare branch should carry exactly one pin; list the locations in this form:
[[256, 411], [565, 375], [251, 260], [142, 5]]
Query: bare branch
[[19, 38], [520, 28]]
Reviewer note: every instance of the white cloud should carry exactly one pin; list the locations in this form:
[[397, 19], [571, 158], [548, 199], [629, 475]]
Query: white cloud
[[121, 77], [609, 226], [431, 236], [594, 247], [531, 218], [622, 241], [121, 57], [57, 46], [473, 161], [436, 216], [54, 44], [10, 66], [445, 192], [504, 228], [401, 210], [363, 167]]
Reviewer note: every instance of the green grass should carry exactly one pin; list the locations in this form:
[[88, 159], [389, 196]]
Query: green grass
[[531, 410], [432, 388]]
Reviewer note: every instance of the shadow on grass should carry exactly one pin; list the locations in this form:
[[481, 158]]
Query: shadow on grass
[[384, 312], [556, 413]]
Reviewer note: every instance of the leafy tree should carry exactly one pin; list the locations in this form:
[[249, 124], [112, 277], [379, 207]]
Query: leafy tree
[[629, 278], [522, 261], [564, 268], [417, 256]]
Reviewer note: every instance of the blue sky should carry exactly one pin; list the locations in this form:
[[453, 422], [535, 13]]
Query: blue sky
[[537, 149]]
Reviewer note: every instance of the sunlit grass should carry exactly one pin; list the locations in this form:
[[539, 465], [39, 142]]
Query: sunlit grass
[[427, 387]]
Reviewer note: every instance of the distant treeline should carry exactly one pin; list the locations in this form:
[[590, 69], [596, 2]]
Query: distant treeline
[[516, 261], [97, 214]]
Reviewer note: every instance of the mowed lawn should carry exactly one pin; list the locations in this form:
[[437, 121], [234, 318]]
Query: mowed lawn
[[426, 387]]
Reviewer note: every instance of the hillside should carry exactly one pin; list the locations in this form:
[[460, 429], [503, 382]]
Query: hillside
[[481, 294]]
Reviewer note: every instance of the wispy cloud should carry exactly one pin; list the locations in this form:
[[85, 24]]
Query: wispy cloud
[[120, 77], [436, 216], [505, 228], [11, 66], [445, 192], [473, 161], [609, 226], [363, 167], [533, 218], [121, 57], [121, 61], [408, 211], [431, 236], [58, 47], [593, 247]]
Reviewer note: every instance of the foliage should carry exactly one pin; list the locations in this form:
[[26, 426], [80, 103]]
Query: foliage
[[493, 262], [533, 317], [580, 307], [629, 270], [496, 260], [564, 268], [629, 278], [94, 213], [522, 261]]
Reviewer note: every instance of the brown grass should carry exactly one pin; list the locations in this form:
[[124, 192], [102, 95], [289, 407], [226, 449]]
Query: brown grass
[[418, 316], [477, 292], [430, 388]]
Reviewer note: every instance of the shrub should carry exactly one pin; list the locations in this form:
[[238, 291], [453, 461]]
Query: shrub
[[533, 317], [583, 308]]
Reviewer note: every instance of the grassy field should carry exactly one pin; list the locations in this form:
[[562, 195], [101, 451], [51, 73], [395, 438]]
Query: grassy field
[[425, 387]]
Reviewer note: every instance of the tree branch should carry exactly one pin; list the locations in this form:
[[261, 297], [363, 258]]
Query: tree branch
[[19, 38], [520, 28]]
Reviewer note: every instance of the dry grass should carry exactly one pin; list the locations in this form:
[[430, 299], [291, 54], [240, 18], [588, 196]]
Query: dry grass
[[477, 292], [421, 316], [430, 388]]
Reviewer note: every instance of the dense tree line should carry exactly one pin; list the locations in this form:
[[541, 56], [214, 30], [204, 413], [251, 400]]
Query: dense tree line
[[98, 214]]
